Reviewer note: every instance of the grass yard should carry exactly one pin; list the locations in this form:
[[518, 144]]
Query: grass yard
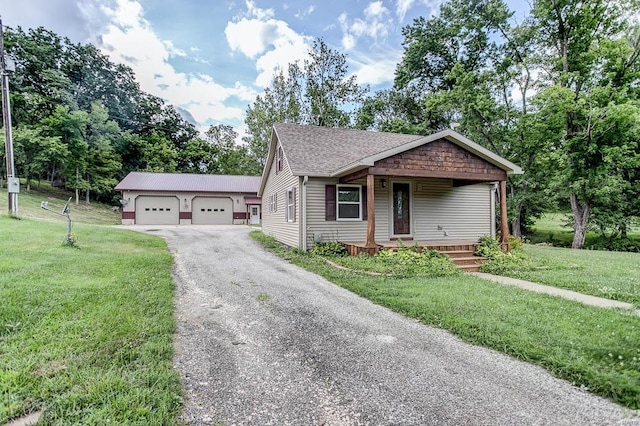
[[85, 333], [591, 347], [612, 275], [29, 206], [550, 228]]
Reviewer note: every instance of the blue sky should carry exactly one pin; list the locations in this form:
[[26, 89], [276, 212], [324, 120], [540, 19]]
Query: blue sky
[[213, 57]]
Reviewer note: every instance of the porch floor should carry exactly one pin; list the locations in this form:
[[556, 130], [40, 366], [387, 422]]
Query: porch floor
[[461, 252]]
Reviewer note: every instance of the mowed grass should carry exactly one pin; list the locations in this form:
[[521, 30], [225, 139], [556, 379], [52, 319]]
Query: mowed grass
[[85, 333], [551, 228], [29, 206], [591, 347], [612, 275]]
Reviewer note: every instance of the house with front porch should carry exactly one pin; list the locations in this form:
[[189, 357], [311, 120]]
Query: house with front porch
[[368, 189]]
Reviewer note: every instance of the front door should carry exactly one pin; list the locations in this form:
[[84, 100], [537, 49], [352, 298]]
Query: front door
[[254, 217], [401, 209]]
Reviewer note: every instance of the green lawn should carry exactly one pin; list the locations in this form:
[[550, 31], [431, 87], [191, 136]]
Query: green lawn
[[593, 347], [608, 274], [551, 228], [29, 206], [85, 333]]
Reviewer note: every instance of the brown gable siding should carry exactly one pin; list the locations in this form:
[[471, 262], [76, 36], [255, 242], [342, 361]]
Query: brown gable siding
[[440, 159]]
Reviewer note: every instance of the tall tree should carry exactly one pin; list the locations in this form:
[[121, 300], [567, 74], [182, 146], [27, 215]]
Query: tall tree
[[230, 158], [37, 154], [590, 69], [319, 92], [462, 68], [103, 163]]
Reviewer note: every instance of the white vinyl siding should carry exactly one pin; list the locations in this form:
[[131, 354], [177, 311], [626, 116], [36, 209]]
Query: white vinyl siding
[[274, 223], [463, 212], [317, 226]]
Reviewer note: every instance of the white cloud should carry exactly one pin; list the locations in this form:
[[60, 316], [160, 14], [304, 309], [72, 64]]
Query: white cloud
[[375, 25], [304, 13], [130, 39], [258, 13], [375, 69], [273, 44], [173, 50], [402, 7]]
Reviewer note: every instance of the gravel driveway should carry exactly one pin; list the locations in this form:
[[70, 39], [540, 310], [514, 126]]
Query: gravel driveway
[[263, 342]]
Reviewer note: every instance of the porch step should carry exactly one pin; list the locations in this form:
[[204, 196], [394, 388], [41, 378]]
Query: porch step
[[457, 253], [470, 268], [465, 259]]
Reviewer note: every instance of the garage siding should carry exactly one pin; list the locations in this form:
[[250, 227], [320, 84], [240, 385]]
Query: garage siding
[[184, 206]]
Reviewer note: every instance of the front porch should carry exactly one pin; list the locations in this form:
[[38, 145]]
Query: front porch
[[395, 176], [461, 252]]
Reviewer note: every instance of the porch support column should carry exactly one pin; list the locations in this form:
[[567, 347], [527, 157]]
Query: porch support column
[[371, 213], [504, 224]]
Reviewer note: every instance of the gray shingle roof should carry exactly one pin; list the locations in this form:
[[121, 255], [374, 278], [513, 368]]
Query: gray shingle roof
[[144, 181], [320, 151]]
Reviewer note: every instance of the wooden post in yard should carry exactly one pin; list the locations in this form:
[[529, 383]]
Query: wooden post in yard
[[371, 214], [504, 224]]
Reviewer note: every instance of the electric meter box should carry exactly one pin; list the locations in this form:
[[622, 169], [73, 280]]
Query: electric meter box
[[13, 183]]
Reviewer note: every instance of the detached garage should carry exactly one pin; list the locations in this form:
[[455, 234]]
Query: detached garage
[[174, 198]]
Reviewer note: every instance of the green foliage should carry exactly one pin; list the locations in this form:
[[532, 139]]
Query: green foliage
[[319, 92], [329, 248], [498, 260], [613, 244], [403, 262], [86, 345], [407, 261], [82, 121], [71, 241]]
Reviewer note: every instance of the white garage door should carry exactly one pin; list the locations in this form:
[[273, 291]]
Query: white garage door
[[212, 211], [152, 210]]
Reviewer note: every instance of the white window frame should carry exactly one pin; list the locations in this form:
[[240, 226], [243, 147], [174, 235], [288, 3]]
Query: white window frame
[[290, 205], [273, 203], [359, 203]]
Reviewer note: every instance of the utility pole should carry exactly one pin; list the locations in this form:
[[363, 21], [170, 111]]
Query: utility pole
[[13, 183]]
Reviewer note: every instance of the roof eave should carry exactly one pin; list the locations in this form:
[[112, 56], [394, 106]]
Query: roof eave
[[269, 160]]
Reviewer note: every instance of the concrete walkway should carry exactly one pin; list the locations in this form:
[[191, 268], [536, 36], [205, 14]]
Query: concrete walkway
[[555, 291]]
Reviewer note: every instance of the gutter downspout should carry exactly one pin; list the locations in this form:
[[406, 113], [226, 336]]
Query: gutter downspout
[[303, 213]]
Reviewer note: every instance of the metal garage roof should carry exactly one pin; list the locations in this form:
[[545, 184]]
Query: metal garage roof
[[144, 181]]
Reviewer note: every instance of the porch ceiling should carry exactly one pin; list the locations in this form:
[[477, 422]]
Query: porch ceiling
[[463, 176]]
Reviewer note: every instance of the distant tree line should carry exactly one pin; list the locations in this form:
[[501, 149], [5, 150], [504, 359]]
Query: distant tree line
[[82, 122]]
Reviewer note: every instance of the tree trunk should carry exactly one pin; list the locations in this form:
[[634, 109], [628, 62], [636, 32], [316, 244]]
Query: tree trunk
[[580, 221], [516, 225], [77, 191]]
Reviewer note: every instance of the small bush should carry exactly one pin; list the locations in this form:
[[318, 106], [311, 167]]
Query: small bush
[[411, 262], [499, 261], [329, 248]]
